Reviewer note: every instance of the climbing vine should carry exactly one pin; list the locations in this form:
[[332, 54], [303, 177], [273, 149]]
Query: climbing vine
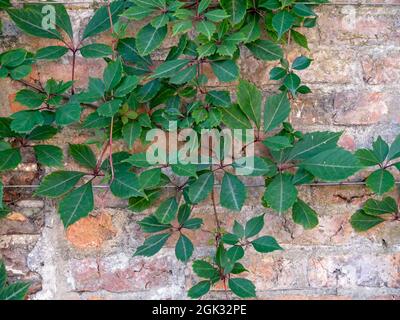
[[137, 94]]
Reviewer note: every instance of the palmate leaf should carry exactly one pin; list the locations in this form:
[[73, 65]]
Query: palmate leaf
[[277, 109], [100, 21], [169, 68], [26, 121], [265, 50], [51, 53], [15, 291], [30, 21], [10, 159], [361, 221], [304, 215], [83, 155], [233, 192], [375, 207], [152, 245], [139, 204], [48, 155], [201, 188], [332, 165], [243, 288], [380, 181], [314, 143], [281, 194], [96, 50], [226, 70], [184, 248], [126, 185], [76, 205], [234, 118], [150, 38], [266, 244], [199, 289], [150, 224], [167, 210], [58, 183], [249, 100], [236, 10]]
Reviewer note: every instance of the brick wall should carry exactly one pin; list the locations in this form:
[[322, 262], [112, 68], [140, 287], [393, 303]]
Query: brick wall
[[355, 78]]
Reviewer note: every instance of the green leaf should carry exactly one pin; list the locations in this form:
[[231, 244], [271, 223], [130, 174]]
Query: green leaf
[[367, 157], [149, 39], [83, 155], [26, 121], [96, 50], [249, 99], [199, 289], [58, 183], [63, 21], [332, 165], [254, 226], [292, 82], [15, 291], [219, 98], [184, 248], [76, 205], [282, 22], [51, 53], [184, 213], [236, 10], [380, 181], [201, 188], [238, 268], [277, 143], [112, 74], [137, 13], [204, 270], [20, 72], [169, 68], [255, 166], [230, 238], [47, 155], [243, 288], [5, 130], [235, 253], [203, 5], [152, 245], [30, 21], [3, 274], [300, 39], [9, 159], [281, 194], [303, 10], [304, 215], [127, 85], [125, 185], [131, 132], [265, 50], [394, 151], [167, 210], [193, 224], [100, 21], [13, 58], [277, 109], [301, 63], [361, 221], [234, 118], [233, 192], [376, 207], [216, 15], [110, 108], [181, 26], [277, 73], [226, 70], [184, 75], [42, 133], [380, 149], [206, 28], [150, 224], [314, 143], [150, 178], [30, 98], [184, 170], [266, 244], [68, 113], [138, 160], [139, 204], [149, 91]]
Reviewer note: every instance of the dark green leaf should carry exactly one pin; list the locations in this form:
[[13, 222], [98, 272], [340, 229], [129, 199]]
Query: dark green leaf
[[150, 178], [236, 10], [9, 159], [15, 291], [83, 155], [167, 210], [201, 188], [226, 70], [249, 99], [149, 39], [277, 109], [47, 155], [282, 22], [361, 221], [126, 185], [199, 289], [152, 245], [376, 207], [281, 194], [58, 183], [243, 288], [266, 244], [26, 121], [51, 53], [233, 192], [254, 226], [150, 224], [112, 74], [96, 50], [304, 215], [380, 181], [265, 50], [183, 248]]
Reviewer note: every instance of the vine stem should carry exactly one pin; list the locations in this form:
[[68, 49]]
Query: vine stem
[[73, 71], [110, 144]]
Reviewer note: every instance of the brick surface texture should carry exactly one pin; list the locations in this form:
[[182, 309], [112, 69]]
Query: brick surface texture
[[355, 78]]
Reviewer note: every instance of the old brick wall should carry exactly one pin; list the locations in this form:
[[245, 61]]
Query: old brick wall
[[355, 78]]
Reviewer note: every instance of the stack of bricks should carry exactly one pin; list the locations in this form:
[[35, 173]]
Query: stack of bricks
[[355, 79]]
